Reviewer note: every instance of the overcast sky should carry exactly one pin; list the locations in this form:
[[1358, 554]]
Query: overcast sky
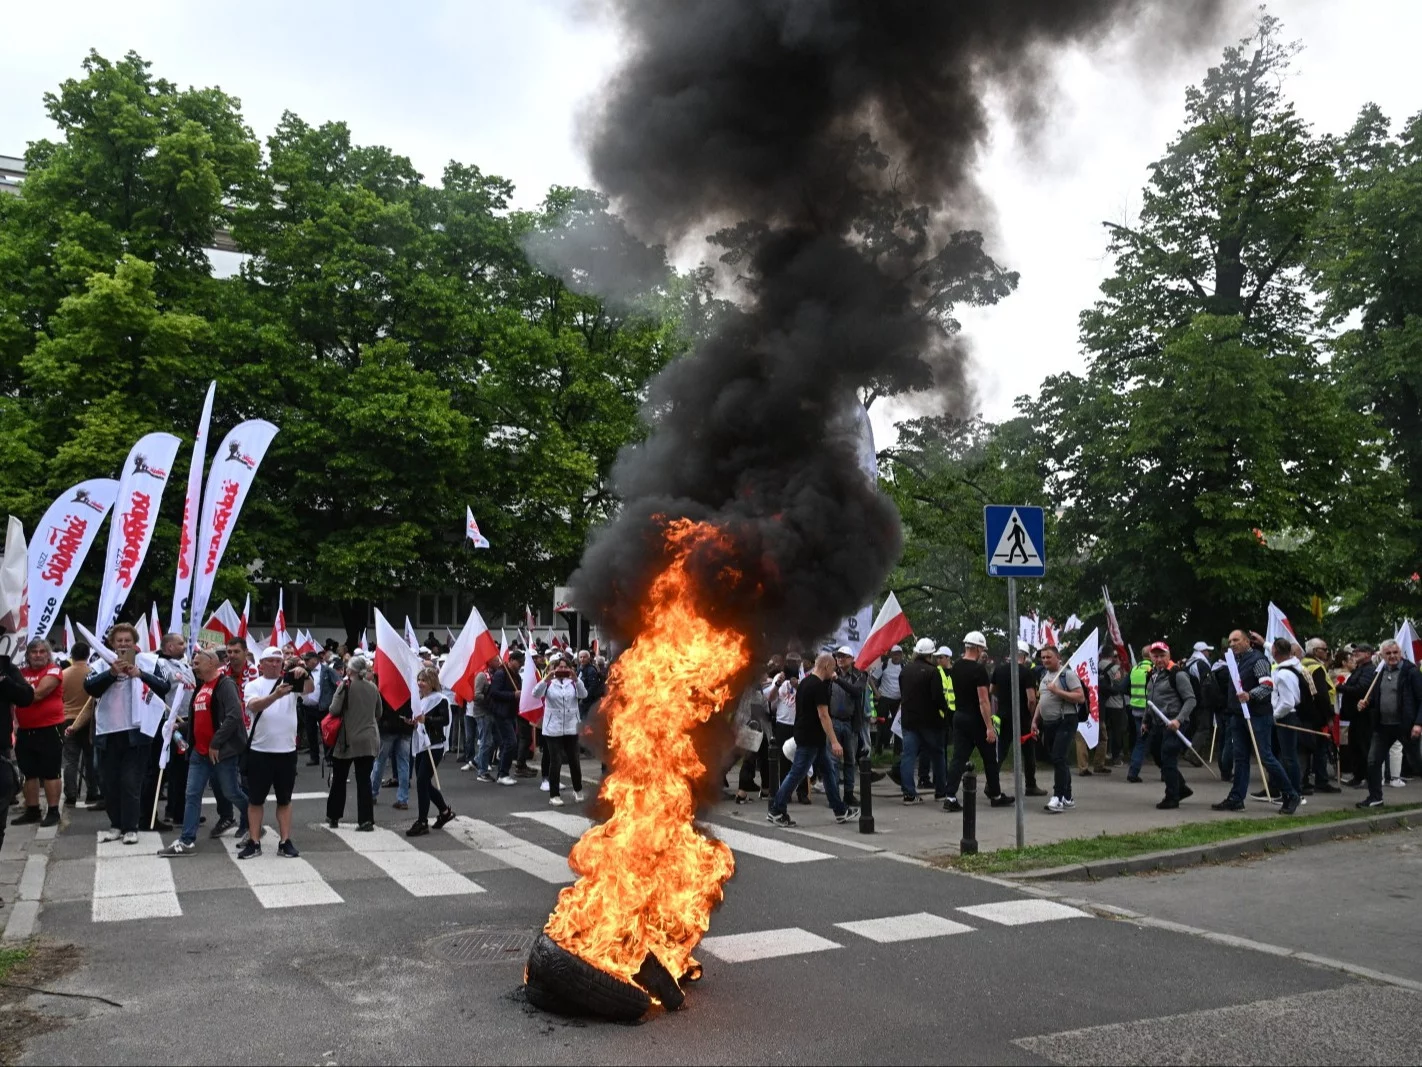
[[499, 84]]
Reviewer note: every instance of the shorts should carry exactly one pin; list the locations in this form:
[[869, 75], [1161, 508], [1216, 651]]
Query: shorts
[[40, 752], [270, 772]]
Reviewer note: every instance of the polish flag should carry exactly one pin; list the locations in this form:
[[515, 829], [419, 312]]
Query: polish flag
[[529, 706], [246, 614], [503, 646], [891, 627], [68, 634], [306, 643], [469, 654], [156, 628], [396, 666], [224, 621], [528, 620], [280, 638], [145, 635], [1407, 638], [410, 638], [1278, 627]]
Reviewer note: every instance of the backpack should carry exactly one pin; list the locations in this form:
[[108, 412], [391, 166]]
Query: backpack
[[331, 730]]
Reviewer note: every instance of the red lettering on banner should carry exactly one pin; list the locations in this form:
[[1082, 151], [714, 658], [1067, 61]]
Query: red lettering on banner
[[185, 543], [66, 541], [221, 516], [135, 527]]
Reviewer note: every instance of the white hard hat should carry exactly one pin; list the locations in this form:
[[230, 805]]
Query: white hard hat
[[924, 647], [974, 637], [944, 650], [788, 748], [1024, 648]]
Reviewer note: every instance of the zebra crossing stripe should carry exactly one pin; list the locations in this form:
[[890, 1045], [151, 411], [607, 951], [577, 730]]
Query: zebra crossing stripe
[[739, 840], [905, 927], [279, 882], [765, 944], [132, 882], [419, 873], [1023, 912], [572, 825], [503, 846]]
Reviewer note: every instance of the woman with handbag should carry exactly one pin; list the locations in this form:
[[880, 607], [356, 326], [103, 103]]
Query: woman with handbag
[[433, 717], [356, 708]]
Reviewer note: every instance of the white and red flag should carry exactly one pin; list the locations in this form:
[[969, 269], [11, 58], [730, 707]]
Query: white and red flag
[[471, 529], [1278, 627], [280, 638], [503, 646], [891, 627], [469, 654], [1113, 627], [242, 623], [1409, 642], [192, 508], [155, 627], [1086, 662], [145, 635], [140, 494], [234, 466], [410, 638], [396, 666], [529, 706], [225, 621], [61, 542], [364, 643], [528, 620]]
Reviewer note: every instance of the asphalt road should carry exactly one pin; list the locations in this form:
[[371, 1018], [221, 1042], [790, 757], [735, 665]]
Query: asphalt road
[[379, 950]]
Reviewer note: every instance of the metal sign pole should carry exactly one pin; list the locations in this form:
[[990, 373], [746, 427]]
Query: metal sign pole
[[1016, 724]]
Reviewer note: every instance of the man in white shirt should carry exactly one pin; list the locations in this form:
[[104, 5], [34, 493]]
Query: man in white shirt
[[1290, 687], [271, 752], [884, 679]]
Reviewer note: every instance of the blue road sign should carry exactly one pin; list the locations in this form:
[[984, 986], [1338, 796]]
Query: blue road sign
[[1014, 539]]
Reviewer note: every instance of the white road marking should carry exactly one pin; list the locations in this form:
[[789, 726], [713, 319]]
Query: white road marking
[[211, 801], [513, 851], [572, 825], [847, 842], [767, 848], [418, 873], [905, 927], [765, 944], [279, 882], [1023, 912], [133, 882]]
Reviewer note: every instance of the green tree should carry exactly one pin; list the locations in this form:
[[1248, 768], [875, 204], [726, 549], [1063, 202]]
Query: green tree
[[1206, 461]]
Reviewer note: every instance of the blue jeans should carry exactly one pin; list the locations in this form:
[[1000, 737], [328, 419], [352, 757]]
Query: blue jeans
[[1142, 746], [471, 738], [1059, 736], [848, 738], [506, 735], [1263, 726], [396, 748], [807, 756], [225, 783], [930, 742], [1289, 752], [484, 750]]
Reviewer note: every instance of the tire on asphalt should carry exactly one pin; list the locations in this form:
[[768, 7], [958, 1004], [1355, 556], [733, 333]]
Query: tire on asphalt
[[562, 983]]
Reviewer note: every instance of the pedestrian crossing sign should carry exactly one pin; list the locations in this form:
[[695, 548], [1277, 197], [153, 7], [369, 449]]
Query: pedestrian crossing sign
[[1014, 541]]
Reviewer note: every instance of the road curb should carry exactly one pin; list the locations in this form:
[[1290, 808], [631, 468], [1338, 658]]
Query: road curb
[[1219, 852]]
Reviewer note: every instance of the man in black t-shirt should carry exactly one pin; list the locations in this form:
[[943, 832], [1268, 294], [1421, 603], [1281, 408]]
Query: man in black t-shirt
[[1027, 703], [972, 724], [814, 743]]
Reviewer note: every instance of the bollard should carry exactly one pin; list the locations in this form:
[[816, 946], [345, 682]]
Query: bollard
[[866, 794], [968, 846]]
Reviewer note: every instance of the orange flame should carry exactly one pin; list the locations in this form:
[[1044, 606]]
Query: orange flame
[[648, 880]]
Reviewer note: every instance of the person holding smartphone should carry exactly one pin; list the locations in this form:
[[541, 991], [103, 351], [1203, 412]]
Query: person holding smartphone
[[562, 692], [271, 748]]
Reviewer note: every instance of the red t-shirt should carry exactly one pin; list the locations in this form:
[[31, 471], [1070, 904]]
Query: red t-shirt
[[47, 711], [202, 716]]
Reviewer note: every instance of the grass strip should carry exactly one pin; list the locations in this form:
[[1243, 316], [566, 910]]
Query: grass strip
[[1119, 846], [10, 958]]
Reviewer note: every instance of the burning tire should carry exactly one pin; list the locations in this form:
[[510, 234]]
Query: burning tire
[[560, 982]]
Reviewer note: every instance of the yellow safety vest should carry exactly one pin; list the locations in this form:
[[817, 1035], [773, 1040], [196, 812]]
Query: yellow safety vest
[[1138, 686], [948, 690]]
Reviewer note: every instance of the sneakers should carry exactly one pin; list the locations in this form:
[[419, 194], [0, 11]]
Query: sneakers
[[557, 802], [445, 818], [1068, 803], [782, 819], [131, 837], [466, 766], [1002, 800], [487, 776], [915, 799], [401, 805], [1397, 783], [577, 797], [250, 849], [366, 828], [1290, 806], [850, 814], [223, 825], [543, 785], [1054, 806], [96, 805], [51, 818], [334, 824], [110, 835], [286, 849], [1369, 803], [1186, 792], [177, 848], [508, 780], [419, 829], [1228, 805], [246, 837], [952, 804]]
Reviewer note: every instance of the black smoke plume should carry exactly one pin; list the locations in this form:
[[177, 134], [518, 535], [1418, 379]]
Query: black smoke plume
[[828, 146]]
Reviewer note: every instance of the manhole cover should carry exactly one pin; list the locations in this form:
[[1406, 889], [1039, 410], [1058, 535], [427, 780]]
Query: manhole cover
[[485, 946]]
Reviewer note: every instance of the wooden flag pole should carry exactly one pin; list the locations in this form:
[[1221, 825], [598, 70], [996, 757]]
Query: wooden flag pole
[[1254, 741]]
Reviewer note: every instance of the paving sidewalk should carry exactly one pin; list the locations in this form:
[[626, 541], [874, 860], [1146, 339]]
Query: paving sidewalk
[[1105, 804]]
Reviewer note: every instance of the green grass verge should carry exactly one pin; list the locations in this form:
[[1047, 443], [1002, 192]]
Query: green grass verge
[[10, 958], [1118, 846]]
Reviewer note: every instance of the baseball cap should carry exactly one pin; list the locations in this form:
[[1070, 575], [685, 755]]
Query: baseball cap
[[272, 653], [1158, 646], [1200, 646], [844, 650], [974, 637], [923, 647], [944, 650]]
